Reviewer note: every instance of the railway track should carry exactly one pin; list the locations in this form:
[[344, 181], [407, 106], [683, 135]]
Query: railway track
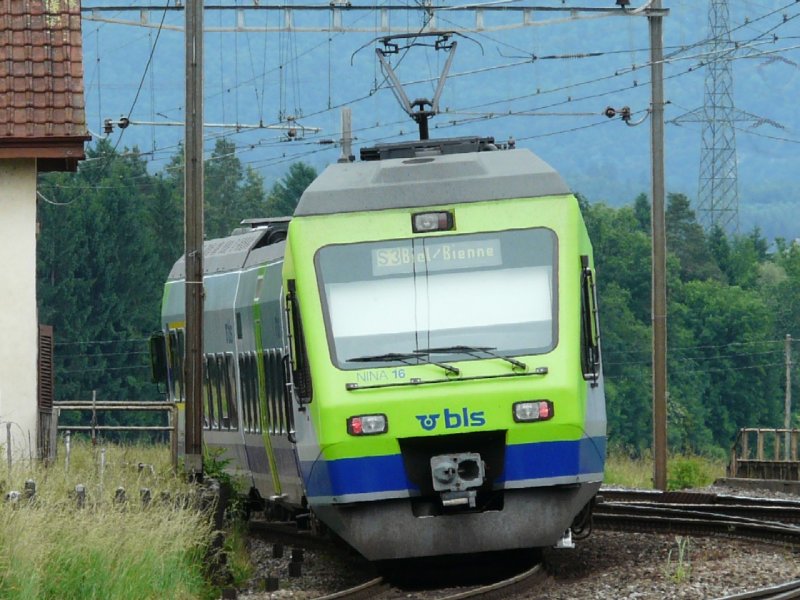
[[391, 587], [380, 589], [764, 520], [759, 521], [753, 519], [771, 521], [778, 592]]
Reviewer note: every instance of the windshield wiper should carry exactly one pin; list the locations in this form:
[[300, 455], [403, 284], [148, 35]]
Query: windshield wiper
[[405, 357], [473, 350], [389, 356]]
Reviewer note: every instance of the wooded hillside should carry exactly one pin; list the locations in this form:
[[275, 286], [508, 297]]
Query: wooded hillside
[[110, 234]]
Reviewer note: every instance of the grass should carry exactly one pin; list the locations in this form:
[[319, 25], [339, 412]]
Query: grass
[[679, 569], [683, 471], [50, 548]]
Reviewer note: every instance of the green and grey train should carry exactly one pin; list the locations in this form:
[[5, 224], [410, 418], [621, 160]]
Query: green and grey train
[[413, 356]]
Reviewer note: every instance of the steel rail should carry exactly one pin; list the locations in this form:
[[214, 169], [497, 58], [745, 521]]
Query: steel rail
[[780, 514], [693, 523], [286, 532], [714, 514], [682, 497], [790, 589], [370, 589], [504, 588]]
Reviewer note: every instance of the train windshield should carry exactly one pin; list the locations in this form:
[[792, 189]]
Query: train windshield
[[386, 300]]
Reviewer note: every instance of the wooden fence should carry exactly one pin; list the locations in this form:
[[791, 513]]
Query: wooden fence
[[93, 407], [766, 453]]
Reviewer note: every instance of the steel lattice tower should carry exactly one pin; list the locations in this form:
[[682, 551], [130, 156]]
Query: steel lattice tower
[[718, 190]]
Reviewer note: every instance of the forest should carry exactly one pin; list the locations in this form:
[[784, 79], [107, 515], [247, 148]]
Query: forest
[[110, 233]]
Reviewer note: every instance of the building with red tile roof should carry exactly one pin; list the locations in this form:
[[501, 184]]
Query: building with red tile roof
[[42, 128], [41, 82]]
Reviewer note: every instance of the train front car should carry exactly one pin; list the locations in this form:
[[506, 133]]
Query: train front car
[[444, 351]]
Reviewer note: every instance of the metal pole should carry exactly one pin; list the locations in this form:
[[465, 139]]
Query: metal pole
[[659, 251], [193, 189], [787, 408], [347, 136], [94, 417]]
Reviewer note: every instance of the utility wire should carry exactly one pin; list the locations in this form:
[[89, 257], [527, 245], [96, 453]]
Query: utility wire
[[146, 68]]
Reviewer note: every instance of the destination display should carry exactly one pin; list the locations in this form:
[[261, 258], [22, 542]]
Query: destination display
[[436, 256]]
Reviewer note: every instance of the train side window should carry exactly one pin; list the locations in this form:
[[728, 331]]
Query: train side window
[[252, 371], [231, 392], [211, 412], [301, 371], [223, 392], [249, 377], [219, 386], [244, 377], [207, 398], [255, 406], [590, 335]]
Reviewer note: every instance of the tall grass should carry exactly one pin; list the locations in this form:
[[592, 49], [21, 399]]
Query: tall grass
[[683, 471], [51, 548]]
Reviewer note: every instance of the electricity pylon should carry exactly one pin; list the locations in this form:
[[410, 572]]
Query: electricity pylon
[[718, 189]]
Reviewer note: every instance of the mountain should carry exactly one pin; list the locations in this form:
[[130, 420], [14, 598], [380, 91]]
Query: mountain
[[546, 85]]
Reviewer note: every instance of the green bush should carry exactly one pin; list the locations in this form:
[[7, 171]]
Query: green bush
[[687, 472]]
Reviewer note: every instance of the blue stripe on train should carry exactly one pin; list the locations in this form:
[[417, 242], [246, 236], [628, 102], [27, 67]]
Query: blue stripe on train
[[375, 474]]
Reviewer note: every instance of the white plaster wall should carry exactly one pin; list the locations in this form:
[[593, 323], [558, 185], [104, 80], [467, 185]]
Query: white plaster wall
[[18, 314]]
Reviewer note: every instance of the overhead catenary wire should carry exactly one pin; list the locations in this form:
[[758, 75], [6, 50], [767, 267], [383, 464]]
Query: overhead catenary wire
[[146, 69], [290, 152]]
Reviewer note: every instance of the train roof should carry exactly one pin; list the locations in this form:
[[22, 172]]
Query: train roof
[[430, 179], [259, 240]]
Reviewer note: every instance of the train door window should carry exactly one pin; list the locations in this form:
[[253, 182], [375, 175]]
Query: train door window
[[283, 393], [278, 400], [175, 342], [301, 370], [272, 399], [590, 336], [172, 357]]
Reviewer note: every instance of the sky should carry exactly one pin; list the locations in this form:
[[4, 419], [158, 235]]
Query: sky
[[547, 85]]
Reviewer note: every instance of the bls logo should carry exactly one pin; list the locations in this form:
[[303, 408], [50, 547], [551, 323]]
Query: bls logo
[[453, 420]]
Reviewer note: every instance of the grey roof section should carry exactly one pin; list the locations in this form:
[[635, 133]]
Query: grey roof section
[[222, 255], [430, 181]]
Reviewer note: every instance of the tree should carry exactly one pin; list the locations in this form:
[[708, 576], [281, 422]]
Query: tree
[[686, 239], [285, 194], [97, 274], [733, 346], [643, 212], [232, 193]]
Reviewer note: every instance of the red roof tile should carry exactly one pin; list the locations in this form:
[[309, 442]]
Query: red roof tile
[[41, 80]]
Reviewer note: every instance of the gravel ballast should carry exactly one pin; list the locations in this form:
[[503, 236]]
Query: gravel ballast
[[606, 566]]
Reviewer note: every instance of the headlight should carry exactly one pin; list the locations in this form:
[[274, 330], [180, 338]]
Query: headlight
[[367, 425], [432, 221], [534, 410]]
